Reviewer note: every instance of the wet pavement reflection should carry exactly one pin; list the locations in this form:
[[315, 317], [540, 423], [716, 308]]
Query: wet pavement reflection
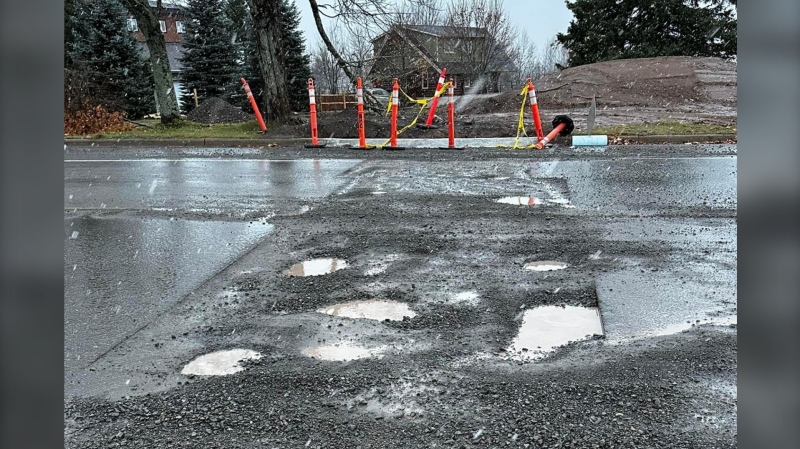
[[128, 271]]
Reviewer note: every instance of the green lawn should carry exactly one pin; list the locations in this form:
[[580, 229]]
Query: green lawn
[[182, 129], [664, 128]]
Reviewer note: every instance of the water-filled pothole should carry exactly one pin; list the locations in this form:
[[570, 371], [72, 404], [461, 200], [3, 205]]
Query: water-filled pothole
[[520, 200], [316, 267], [371, 310], [342, 352], [545, 328], [220, 363], [545, 265]]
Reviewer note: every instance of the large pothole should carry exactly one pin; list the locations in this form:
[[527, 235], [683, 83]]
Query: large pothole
[[546, 328], [371, 310], [220, 363], [316, 267]]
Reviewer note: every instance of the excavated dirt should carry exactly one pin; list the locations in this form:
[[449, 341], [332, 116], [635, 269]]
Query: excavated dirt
[[628, 92], [217, 110]]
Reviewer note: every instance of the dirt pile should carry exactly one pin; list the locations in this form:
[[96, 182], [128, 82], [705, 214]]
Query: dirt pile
[[661, 82], [217, 110]]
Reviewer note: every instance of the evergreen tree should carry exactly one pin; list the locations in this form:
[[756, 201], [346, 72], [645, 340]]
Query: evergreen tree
[[101, 46], [296, 61], [209, 59], [603, 30]]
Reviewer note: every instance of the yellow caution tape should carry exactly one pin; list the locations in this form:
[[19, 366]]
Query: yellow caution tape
[[521, 124], [423, 102]]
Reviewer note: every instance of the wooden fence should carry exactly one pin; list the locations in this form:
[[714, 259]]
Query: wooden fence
[[335, 102]]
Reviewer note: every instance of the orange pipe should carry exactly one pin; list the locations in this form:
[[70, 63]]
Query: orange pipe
[[254, 106], [362, 138], [435, 101], [550, 136], [537, 120], [312, 104]]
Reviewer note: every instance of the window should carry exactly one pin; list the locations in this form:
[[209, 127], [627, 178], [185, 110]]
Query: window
[[163, 26], [179, 26], [425, 80], [467, 83], [455, 82], [132, 25]]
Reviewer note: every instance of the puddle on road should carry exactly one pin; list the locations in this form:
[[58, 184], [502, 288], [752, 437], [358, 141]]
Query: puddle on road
[[545, 265], [371, 310], [520, 200], [342, 352], [316, 267], [220, 363], [545, 328]]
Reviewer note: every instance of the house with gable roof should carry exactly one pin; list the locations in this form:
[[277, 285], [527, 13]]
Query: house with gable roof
[[416, 55]]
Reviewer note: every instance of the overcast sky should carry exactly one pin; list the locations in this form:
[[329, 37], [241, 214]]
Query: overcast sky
[[541, 19]]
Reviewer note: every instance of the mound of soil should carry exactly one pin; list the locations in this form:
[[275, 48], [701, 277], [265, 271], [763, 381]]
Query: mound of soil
[[661, 82], [217, 110]]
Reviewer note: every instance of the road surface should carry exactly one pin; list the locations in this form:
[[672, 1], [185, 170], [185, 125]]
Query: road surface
[[435, 325]]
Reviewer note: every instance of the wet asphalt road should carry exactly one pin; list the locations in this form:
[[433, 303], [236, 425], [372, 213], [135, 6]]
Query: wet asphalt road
[[169, 259]]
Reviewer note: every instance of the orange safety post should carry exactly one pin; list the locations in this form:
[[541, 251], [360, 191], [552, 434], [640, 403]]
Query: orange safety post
[[561, 125], [312, 104], [254, 106], [395, 107], [451, 118], [434, 103], [537, 120], [362, 138]]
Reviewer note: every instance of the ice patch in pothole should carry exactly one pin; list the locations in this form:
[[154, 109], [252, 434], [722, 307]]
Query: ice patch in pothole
[[316, 267], [520, 200], [220, 363], [370, 310], [546, 328], [342, 352], [545, 265]]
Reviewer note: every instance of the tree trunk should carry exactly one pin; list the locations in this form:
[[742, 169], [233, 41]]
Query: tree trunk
[[371, 101], [268, 32], [159, 62]]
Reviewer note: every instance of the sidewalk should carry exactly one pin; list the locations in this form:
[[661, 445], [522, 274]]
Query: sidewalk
[[409, 143]]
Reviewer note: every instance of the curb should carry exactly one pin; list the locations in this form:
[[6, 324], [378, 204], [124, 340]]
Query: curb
[[288, 142]]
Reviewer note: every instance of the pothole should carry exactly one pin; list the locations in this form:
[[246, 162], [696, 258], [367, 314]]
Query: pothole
[[371, 310], [545, 328], [342, 352], [316, 267], [220, 363], [471, 298], [520, 200], [545, 265]]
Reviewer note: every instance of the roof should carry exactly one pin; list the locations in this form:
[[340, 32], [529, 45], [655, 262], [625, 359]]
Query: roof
[[174, 54], [448, 31]]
